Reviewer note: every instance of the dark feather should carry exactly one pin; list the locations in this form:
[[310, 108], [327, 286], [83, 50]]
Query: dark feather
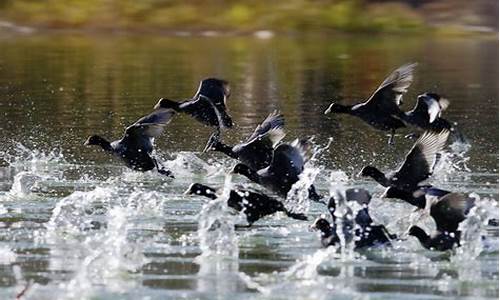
[[419, 162]]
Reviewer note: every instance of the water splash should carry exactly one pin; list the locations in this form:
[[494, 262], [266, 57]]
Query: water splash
[[338, 181], [34, 160], [453, 163], [7, 256], [297, 199], [216, 226], [344, 214], [80, 212], [185, 164], [307, 268], [303, 280], [95, 233], [24, 183], [472, 238], [113, 260], [218, 260]]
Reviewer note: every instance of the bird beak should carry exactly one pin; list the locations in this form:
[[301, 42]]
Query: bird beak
[[86, 143], [232, 170], [312, 227], [186, 192], [157, 105], [384, 195], [329, 109], [207, 148]]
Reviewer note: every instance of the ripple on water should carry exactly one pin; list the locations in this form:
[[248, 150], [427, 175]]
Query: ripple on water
[[129, 234]]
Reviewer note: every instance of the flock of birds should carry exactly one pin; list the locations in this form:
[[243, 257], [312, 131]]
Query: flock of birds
[[276, 165]]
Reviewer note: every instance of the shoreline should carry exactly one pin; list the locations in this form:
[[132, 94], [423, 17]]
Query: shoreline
[[7, 27]]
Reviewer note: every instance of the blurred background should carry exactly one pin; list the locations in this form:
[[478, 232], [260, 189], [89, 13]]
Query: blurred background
[[72, 68], [450, 16]]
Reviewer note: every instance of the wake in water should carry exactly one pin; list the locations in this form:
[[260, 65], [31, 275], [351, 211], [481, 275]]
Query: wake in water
[[101, 233]]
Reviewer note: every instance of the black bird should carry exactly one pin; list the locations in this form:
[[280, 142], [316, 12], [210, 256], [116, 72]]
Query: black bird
[[427, 113], [447, 211], [136, 146], [360, 229], [417, 197], [254, 205], [257, 151], [381, 110], [422, 195], [286, 165], [418, 165], [208, 105]]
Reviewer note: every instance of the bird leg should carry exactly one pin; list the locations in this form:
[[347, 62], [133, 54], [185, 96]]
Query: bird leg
[[166, 173], [314, 196], [391, 137], [241, 226], [389, 235], [162, 170], [212, 141]]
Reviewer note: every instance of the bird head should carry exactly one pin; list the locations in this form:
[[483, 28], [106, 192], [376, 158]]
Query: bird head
[[200, 189], [321, 224], [369, 171], [241, 169], [95, 140]]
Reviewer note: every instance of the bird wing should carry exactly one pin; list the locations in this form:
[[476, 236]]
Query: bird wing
[[270, 130], [444, 103], [388, 95], [216, 91], [450, 210], [433, 108], [419, 162], [361, 196], [152, 125], [289, 159]]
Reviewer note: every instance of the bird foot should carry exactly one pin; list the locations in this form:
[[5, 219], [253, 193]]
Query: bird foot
[[212, 141], [411, 136], [166, 173]]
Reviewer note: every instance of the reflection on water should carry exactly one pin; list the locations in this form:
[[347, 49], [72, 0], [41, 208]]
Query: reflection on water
[[77, 224]]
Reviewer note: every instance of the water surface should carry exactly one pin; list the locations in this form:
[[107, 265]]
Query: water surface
[[76, 224]]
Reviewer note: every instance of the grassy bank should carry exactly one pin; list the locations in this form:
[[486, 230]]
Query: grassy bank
[[221, 15]]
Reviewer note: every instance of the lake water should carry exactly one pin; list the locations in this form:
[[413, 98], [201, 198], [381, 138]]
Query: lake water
[[75, 224]]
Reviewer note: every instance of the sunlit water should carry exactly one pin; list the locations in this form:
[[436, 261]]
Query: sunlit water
[[75, 224]]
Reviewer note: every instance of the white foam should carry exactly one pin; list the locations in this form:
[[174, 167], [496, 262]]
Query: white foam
[[216, 226]]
